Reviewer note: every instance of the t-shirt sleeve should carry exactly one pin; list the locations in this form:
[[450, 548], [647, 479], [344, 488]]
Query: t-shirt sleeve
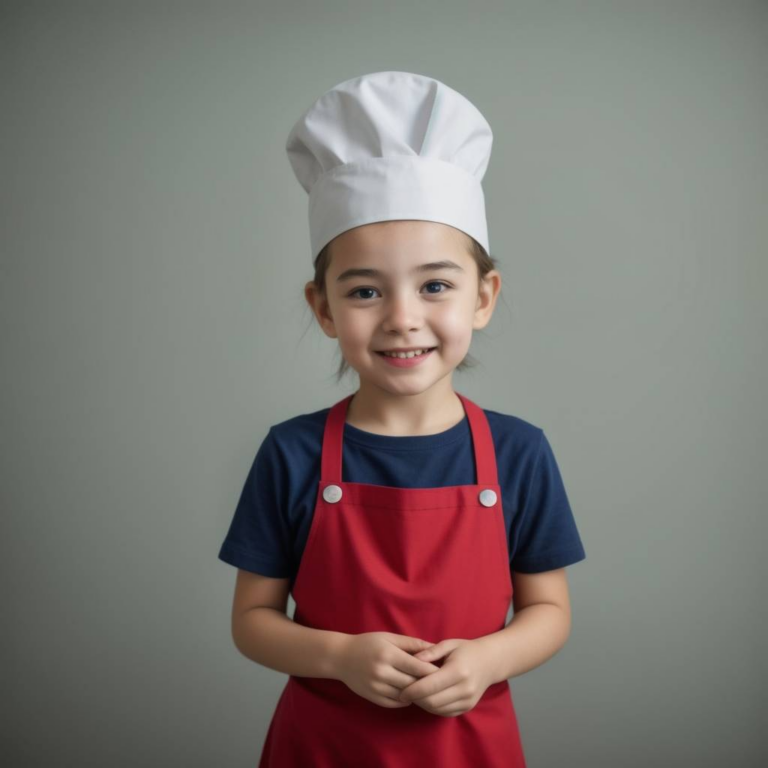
[[548, 537], [259, 538]]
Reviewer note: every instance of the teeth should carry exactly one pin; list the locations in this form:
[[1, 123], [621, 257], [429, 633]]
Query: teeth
[[406, 354]]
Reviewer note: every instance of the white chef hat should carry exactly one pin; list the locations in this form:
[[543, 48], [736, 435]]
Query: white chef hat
[[391, 145]]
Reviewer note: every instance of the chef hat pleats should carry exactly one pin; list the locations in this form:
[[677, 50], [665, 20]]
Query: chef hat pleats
[[391, 145]]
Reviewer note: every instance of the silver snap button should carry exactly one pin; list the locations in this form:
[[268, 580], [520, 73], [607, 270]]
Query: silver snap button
[[487, 497], [332, 493]]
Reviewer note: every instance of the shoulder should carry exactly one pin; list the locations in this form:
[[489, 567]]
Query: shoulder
[[513, 435], [289, 457], [302, 424], [302, 434]]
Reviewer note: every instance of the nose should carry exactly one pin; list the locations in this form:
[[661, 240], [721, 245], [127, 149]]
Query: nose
[[402, 313]]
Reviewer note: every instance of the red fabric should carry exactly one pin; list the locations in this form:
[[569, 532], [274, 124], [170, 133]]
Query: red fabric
[[427, 562]]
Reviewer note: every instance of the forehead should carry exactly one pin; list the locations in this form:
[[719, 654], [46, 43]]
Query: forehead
[[400, 242]]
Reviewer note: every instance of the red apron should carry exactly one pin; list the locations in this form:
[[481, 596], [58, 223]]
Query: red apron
[[431, 563]]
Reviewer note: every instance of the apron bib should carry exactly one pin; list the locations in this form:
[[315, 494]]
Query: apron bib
[[427, 562]]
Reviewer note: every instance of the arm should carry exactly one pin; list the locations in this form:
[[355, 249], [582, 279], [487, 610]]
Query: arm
[[263, 633], [539, 627]]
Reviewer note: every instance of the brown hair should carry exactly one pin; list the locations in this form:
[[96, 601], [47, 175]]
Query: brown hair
[[484, 262]]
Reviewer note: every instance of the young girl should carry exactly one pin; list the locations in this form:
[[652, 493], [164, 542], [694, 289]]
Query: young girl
[[404, 518]]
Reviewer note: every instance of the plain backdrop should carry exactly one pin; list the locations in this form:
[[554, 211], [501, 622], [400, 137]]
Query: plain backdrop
[[155, 247]]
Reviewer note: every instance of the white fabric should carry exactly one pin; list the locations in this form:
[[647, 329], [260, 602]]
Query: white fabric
[[391, 145]]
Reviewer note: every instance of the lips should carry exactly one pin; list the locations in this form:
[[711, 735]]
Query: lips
[[405, 351], [407, 361]]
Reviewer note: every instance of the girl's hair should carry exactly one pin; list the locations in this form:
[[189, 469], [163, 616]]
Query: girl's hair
[[484, 262]]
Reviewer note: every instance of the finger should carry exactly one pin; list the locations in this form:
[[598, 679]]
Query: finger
[[414, 666], [453, 696], [420, 690], [389, 695], [410, 644], [446, 678], [399, 680], [430, 654], [383, 701], [458, 708]]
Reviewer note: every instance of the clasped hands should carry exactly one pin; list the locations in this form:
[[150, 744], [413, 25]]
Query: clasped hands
[[395, 671], [456, 686]]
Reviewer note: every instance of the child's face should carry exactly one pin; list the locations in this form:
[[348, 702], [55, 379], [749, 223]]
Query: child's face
[[404, 304]]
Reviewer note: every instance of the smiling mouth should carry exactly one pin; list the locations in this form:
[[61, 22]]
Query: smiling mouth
[[406, 355]]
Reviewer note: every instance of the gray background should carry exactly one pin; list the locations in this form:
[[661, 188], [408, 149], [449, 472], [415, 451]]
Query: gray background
[[154, 252]]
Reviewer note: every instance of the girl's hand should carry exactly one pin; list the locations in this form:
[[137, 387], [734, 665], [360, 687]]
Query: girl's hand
[[457, 685], [378, 665]]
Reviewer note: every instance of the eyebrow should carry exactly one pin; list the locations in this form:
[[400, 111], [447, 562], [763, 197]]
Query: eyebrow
[[431, 266]]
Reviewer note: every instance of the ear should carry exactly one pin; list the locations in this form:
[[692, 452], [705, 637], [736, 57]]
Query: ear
[[320, 308], [488, 292]]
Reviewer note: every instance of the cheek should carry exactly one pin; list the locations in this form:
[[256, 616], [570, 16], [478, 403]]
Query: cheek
[[352, 327], [455, 323]]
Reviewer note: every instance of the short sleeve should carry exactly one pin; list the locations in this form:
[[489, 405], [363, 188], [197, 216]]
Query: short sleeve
[[259, 538], [548, 537]]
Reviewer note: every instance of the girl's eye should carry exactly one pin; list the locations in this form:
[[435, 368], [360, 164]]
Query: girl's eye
[[431, 282], [439, 282], [354, 296]]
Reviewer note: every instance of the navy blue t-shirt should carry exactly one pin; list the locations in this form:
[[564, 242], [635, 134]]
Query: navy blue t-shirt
[[272, 519]]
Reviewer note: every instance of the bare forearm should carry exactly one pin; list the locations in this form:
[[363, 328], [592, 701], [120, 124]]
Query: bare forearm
[[535, 634], [268, 637]]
